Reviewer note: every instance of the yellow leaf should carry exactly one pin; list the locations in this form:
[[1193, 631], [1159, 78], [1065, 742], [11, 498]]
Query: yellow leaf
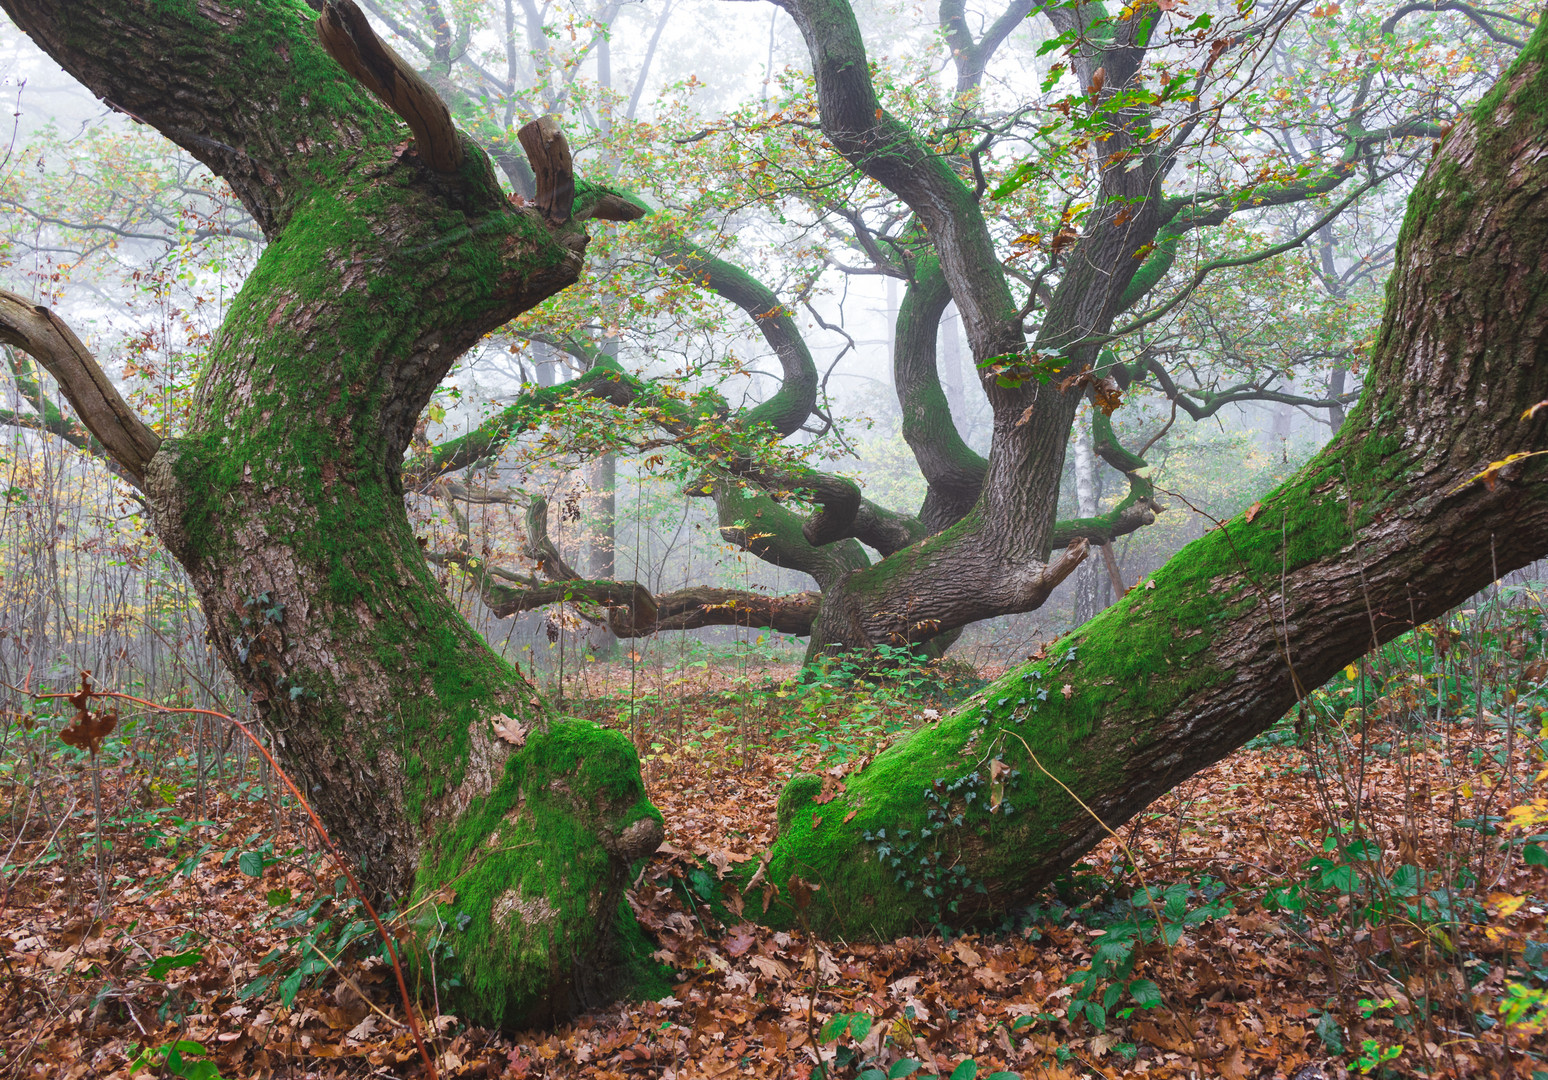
[[1506, 904], [1351, 673]]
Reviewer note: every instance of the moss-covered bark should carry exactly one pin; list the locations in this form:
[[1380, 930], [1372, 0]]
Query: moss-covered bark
[[1386, 528], [434, 764]]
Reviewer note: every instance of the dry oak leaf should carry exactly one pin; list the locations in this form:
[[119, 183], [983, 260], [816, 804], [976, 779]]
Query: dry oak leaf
[[1252, 511], [832, 788], [87, 731], [509, 729], [1068, 691]]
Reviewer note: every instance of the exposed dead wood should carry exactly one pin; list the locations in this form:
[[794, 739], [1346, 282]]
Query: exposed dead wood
[[39, 332], [349, 39], [611, 207], [549, 155]]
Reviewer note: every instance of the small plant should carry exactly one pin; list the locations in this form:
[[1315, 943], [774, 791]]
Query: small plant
[[173, 1059], [851, 1029], [1152, 914], [1373, 1055]]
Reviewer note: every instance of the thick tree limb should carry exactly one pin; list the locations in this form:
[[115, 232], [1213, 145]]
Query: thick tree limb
[[43, 335], [632, 610], [347, 36], [552, 166]]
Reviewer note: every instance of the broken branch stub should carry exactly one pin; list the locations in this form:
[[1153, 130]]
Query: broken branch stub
[[43, 335], [549, 155], [349, 39]]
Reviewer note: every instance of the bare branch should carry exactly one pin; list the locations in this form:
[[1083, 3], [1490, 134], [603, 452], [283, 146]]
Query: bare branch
[[349, 39], [39, 332]]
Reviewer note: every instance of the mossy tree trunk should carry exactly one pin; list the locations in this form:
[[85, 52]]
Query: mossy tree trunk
[[1389, 526], [390, 251]]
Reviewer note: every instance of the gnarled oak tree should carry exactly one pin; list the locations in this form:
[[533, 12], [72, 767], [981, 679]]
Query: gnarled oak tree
[[391, 249]]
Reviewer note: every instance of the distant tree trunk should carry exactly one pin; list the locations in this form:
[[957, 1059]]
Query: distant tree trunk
[[951, 368], [1336, 379], [1390, 525], [1086, 585]]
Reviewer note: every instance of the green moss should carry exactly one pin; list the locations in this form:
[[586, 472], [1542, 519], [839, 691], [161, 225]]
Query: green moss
[[536, 891], [796, 795]]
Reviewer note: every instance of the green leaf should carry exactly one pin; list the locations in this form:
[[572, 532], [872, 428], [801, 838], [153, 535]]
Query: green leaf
[[162, 965], [860, 1027], [872, 1074], [290, 987], [1535, 855], [901, 1068], [1004, 1076], [1146, 994], [834, 1028], [967, 1069], [277, 897], [1096, 1016], [251, 864], [257, 986], [1062, 41], [1330, 1033]]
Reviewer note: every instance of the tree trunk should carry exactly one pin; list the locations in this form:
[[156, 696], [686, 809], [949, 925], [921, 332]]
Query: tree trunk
[[1389, 526], [1086, 507], [436, 767]]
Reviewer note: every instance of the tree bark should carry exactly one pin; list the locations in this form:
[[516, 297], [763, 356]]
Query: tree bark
[[434, 764], [1389, 526]]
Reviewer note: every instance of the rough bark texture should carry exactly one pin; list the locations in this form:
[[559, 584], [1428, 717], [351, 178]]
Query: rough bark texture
[[1386, 528], [432, 761]]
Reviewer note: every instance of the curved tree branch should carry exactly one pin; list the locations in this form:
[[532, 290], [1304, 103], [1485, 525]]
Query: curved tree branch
[[44, 336], [347, 36]]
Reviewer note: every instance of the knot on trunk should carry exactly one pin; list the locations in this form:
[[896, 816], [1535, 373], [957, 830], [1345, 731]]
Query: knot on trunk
[[636, 841], [168, 498]]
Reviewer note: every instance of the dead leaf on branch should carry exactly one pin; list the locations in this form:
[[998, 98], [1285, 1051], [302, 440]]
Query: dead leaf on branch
[[87, 730], [1105, 391]]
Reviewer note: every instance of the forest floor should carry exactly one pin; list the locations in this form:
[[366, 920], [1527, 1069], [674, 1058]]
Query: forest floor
[[1342, 899]]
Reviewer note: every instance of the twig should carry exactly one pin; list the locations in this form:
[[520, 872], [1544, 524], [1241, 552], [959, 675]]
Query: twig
[[322, 833]]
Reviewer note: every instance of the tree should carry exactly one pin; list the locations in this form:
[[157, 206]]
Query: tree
[[436, 765], [1115, 181]]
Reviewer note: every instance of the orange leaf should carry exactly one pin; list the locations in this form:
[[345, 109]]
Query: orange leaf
[[1252, 511]]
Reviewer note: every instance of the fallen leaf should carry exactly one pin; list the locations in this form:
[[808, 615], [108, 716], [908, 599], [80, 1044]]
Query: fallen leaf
[[742, 939], [1068, 691], [831, 789], [1252, 511]]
